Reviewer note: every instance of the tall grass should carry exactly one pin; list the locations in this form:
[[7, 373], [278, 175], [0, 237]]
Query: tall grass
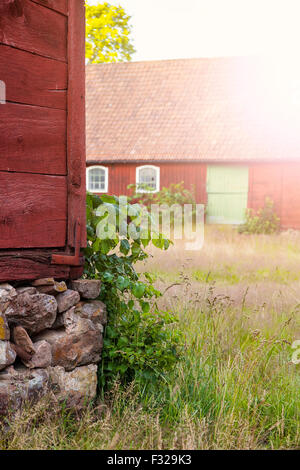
[[236, 387], [239, 380]]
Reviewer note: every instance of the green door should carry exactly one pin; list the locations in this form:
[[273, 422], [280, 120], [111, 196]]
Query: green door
[[227, 194]]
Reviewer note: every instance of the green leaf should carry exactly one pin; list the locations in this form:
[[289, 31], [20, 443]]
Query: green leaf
[[166, 244], [122, 283], [123, 368], [138, 290], [105, 246], [107, 277], [109, 199], [145, 307], [96, 245], [135, 249], [158, 243], [123, 341], [125, 247]]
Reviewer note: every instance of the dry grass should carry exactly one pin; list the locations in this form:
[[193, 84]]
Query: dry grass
[[231, 257], [236, 388], [116, 427]]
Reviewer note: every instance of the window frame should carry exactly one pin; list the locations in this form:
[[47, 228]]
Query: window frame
[[101, 167], [153, 167]]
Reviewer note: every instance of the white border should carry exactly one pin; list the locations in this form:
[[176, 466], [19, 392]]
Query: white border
[[157, 169], [105, 190]]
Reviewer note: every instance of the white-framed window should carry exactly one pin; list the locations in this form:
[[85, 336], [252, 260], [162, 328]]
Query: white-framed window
[[148, 175], [97, 179]]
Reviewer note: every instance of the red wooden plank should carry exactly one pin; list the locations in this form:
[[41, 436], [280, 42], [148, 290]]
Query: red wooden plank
[[58, 5], [290, 212], [33, 211], [32, 79], [31, 27], [76, 121], [29, 265], [32, 139]]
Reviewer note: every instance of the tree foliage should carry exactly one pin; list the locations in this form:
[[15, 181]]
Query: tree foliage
[[107, 34]]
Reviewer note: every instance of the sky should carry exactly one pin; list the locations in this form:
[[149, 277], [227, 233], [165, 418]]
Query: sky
[[171, 29]]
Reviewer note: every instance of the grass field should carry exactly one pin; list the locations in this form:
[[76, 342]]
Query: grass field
[[238, 304]]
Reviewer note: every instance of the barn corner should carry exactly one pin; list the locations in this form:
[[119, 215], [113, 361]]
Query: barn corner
[[50, 323]]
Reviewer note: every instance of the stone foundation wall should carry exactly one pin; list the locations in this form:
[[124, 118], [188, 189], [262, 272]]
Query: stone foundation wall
[[51, 339]]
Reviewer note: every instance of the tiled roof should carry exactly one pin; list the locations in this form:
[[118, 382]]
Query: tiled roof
[[224, 109]]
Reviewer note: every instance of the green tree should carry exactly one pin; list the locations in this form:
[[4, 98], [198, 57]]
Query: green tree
[[107, 34]]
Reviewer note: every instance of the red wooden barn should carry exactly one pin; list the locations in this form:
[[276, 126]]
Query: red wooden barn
[[42, 138], [230, 127]]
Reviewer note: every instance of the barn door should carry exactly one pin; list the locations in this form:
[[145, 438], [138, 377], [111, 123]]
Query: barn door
[[227, 194], [42, 130]]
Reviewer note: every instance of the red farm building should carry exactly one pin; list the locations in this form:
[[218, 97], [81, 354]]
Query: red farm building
[[229, 127], [42, 138]]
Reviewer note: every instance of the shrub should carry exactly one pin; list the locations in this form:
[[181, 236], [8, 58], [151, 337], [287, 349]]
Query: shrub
[[264, 220], [174, 194], [140, 342], [168, 200]]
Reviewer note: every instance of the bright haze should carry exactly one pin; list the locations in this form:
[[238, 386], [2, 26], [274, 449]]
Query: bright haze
[[173, 29]]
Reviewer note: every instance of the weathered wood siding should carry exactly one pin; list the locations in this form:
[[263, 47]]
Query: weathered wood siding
[[42, 132]]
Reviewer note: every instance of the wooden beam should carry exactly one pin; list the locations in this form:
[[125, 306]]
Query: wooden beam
[[76, 121], [28, 265]]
